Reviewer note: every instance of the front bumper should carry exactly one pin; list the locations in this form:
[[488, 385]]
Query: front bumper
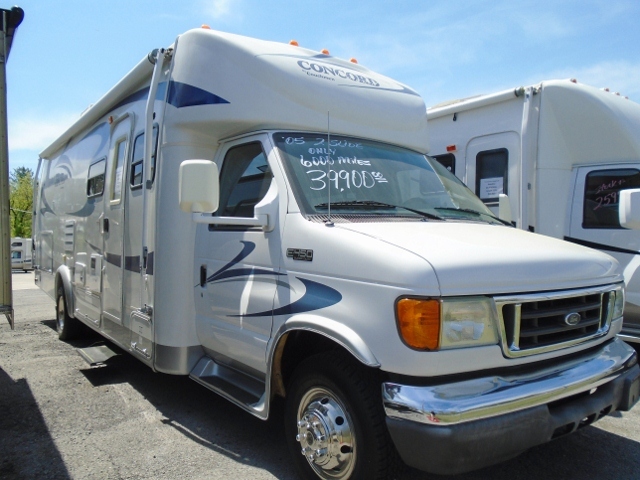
[[456, 427]]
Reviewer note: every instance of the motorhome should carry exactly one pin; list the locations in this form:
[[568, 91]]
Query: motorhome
[[561, 152], [263, 218], [21, 254]]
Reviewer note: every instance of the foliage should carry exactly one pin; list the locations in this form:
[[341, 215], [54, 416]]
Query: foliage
[[21, 201]]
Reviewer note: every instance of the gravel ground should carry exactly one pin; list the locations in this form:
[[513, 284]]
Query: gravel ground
[[61, 419]]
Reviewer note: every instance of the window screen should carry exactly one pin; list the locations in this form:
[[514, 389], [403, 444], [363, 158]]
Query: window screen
[[448, 161], [135, 179], [492, 167], [601, 196], [95, 183]]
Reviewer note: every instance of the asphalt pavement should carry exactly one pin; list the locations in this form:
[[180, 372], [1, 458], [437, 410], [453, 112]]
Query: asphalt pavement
[[61, 419]]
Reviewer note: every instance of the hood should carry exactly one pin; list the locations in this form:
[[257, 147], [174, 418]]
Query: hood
[[475, 259]]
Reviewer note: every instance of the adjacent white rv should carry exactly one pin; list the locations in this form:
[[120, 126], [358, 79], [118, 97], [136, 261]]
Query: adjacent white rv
[[263, 218], [21, 254], [562, 152]]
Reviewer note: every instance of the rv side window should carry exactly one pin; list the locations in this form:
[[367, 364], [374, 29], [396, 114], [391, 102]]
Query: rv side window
[[116, 175], [95, 183], [492, 167], [244, 180], [138, 156], [601, 196], [448, 161]]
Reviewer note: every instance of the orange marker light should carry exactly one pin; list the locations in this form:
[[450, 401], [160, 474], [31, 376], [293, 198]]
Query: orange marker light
[[294, 43], [451, 148], [353, 60], [205, 26], [325, 51], [419, 323]]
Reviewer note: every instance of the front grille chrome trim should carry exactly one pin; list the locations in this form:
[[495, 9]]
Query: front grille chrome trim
[[510, 313]]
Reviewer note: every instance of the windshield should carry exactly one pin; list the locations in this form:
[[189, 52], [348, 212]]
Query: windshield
[[355, 176]]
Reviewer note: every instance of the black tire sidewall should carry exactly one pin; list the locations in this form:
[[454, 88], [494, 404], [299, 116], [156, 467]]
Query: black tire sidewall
[[356, 389]]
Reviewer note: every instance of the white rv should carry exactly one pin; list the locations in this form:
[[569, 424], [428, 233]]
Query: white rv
[[21, 254], [561, 152], [263, 218]]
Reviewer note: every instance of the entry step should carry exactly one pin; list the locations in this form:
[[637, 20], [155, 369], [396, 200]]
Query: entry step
[[98, 355]]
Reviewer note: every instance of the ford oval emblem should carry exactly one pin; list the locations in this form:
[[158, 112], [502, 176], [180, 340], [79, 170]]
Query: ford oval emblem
[[572, 319]]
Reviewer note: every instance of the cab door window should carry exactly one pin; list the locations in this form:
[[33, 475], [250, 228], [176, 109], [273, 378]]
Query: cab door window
[[244, 180], [602, 194]]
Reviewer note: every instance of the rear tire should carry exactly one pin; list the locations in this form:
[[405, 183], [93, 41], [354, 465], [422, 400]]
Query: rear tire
[[334, 420], [66, 326]]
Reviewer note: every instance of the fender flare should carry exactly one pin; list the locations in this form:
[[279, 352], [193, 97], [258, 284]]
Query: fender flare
[[63, 275], [333, 330]]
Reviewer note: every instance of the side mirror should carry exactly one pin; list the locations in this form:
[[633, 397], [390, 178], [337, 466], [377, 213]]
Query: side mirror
[[629, 209], [199, 186], [504, 208]]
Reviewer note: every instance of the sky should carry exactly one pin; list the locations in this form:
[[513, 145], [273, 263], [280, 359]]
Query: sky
[[67, 53]]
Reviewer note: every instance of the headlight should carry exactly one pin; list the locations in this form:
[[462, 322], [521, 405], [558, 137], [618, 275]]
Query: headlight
[[431, 324], [616, 302], [468, 322]]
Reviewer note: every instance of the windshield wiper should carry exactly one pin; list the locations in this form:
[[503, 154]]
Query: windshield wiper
[[371, 204], [474, 212]]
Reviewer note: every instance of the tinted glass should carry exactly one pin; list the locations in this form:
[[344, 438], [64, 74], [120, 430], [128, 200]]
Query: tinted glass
[[601, 196]]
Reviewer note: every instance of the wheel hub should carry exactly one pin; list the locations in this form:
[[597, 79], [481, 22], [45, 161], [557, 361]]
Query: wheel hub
[[325, 435]]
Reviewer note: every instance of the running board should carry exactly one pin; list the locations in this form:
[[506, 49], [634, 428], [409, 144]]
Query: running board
[[243, 390], [96, 356]]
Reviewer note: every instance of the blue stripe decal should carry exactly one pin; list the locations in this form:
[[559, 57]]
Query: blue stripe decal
[[316, 297], [184, 95]]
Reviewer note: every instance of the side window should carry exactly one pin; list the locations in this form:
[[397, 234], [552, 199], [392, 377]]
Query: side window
[[601, 196], [135, 178], [118, 165], [244, 180], [492, 167], [95, 182], [448, 161]]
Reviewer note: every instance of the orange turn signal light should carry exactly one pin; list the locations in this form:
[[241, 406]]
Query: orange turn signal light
[[419, 322]]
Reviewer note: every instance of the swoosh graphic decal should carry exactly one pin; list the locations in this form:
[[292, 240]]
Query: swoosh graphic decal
[[185, 95], [243, 272], [316, 297], [248, 247]]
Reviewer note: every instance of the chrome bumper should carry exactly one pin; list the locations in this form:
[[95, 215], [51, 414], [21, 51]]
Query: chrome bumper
[[491, 396]]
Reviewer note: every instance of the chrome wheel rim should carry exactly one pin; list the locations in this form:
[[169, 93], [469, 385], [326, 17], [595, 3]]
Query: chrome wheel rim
[[325, 434]]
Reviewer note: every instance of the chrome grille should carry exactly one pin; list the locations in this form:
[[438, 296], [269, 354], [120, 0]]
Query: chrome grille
[[544, 322]]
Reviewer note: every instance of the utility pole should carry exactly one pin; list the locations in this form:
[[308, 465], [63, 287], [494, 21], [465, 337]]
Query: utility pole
[[9, 23]]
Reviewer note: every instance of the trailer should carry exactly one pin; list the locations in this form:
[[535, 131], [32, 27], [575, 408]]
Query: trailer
[[21, 256], [561, 152], [263, 218]]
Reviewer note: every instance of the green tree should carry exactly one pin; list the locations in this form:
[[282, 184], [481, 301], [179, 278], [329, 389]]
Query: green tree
[[21, 201]]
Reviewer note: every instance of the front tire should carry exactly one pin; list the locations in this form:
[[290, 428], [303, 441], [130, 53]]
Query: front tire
[[334, 420], [66, 326]]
